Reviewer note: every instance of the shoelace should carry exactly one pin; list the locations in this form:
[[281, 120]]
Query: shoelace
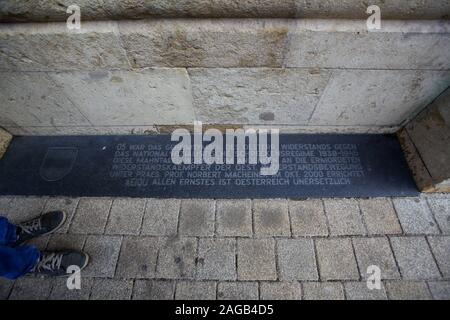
[[31, 226], [49, 262]]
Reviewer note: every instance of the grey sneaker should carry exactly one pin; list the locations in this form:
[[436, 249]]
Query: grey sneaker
[[56, 263], [40, 226]]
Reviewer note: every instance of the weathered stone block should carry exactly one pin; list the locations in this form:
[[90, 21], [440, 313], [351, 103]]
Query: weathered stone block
[[91, 216], [177, 257], [257, 95], [161, 217], [415, 216], [271, 218], [216, 259], [323, 291], [379, 216], [96, 45], [296, 259], [237, 291], [153, 290], [187, 290], [125, 216], [234, 218], [5, 139], [280, 291], [111, 289], [138, 257], [308, 218], [344, 217], [407, 290], [204, 43], [197, 218]]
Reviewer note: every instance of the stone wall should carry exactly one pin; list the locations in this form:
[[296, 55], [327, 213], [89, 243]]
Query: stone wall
[[426, 141], [148, 76], [55, 10]]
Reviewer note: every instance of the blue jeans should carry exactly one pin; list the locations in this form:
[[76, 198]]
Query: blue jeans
[[14, 262]]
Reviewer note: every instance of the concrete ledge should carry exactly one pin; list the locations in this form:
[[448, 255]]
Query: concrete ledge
[[5, 139], [427, 139], [146, 100], [52, 10], [227, 43]]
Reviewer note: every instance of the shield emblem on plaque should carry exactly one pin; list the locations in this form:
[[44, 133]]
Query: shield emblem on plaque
[[57, 163]]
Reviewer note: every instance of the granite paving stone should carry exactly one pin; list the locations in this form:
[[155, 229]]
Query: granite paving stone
[[234, 218], [281, 291], [125, 216], [256, 259], [336, 259], [344, 217], [190, 290], [91, 216], [440, 207], [375, 251], [414, 258], [407, 290], [440, 246], [271, 218], [137, 257], [111, 289], [323, 291], [360, 291], [308, 218], [296, 259], [161, 217], [415, 216], [153, 290], [440, 290], [103, 252], [197, 218], [216, 259], [176, 259], [237, 291], [379, 216]]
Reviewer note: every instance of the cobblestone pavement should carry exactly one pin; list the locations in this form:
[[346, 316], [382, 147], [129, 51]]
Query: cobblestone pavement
[[245, 249]]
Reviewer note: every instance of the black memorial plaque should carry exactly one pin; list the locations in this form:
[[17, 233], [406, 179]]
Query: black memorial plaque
[[141, 166]]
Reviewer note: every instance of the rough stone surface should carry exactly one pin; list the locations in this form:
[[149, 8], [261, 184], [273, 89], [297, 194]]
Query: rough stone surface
[[91, 216], [308, 218], [66, 241], [415, 216], [256, 259], [5, 139], [441, 210], [21, 209], [440, 246], [197, 218], [280, 291], [414, 258], [344, 217], [138, 258], [296, 259], [30, 288], [352, 98], [60, 291], [379, 216], [195, 291], [104, 252], [206, 43], [237, 291], [375, 251], [52, 10], [359, 291], [407, 290], [5, 288], [216, 259], [336, 259], [111, 289], [153, 290], [125, 216], [440, 290], [271, 218], [151, 96], [176, 258], [430, 132], [247, 96], [161, 217], [323, 291], [95, 46], [234, 218]]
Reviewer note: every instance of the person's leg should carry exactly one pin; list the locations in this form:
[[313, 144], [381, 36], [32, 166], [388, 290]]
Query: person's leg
[[8, 232], [15, 262]]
